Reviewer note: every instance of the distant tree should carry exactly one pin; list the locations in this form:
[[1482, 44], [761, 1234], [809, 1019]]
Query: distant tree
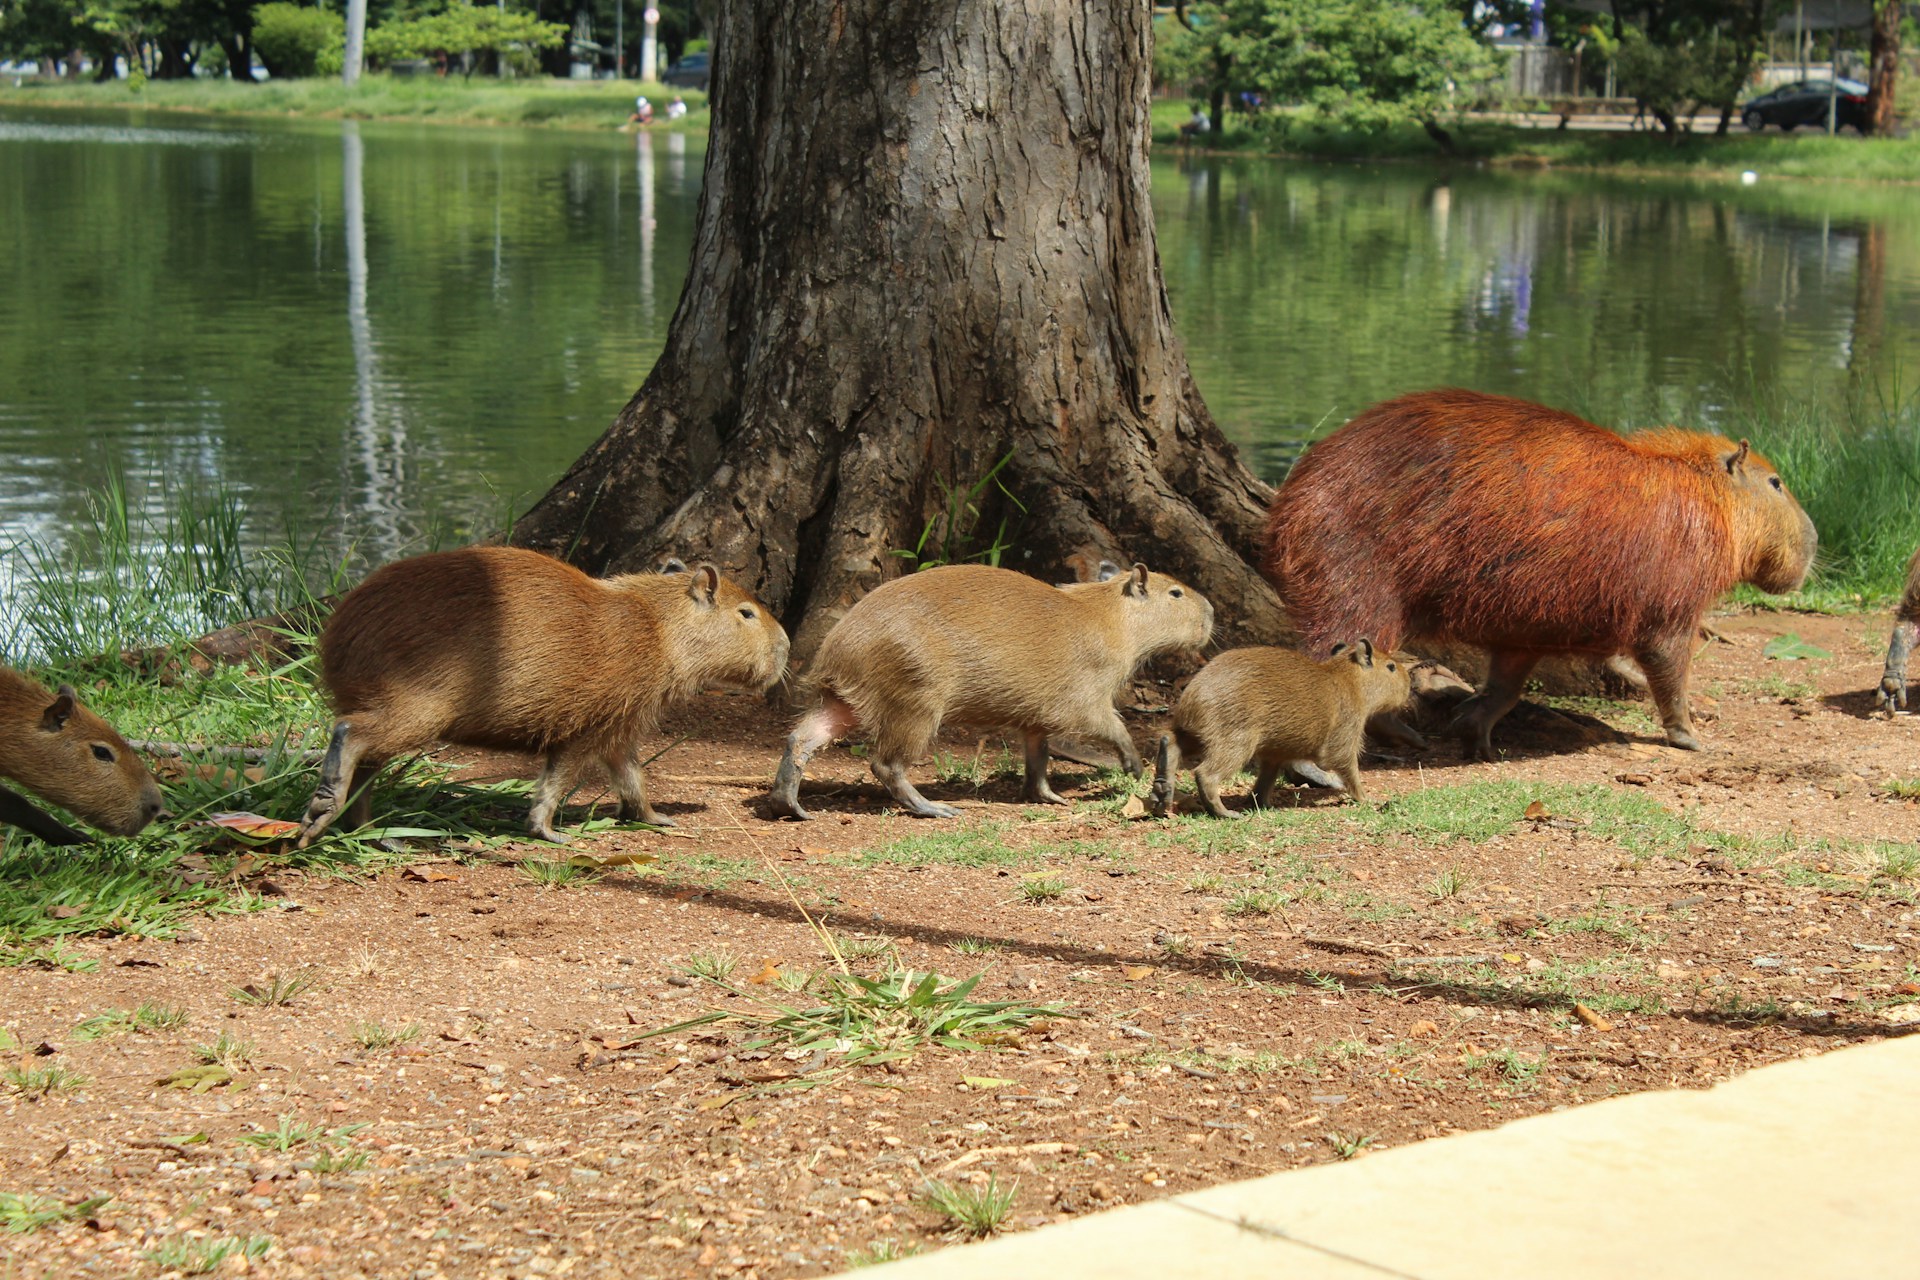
[[295, 41], [1883, 62], [1688, 55], [1365, 63], [472, 34]]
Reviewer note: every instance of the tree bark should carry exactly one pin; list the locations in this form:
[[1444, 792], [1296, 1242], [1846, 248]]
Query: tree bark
[[1883, 65], [924, 250]]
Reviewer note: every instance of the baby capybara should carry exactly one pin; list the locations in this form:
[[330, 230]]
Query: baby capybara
[[1453, 515], [68, 756], [501, 648], [1906, 626], [1278, 707], [990, 648]]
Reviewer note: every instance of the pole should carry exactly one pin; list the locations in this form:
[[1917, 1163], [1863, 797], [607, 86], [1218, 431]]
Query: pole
[[355, 53], [649, 45], [1833, 80], [619, 39]]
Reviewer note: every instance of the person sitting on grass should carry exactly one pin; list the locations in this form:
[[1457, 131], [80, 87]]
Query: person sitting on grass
[[1196, 124], [642, 112], [676, 108]]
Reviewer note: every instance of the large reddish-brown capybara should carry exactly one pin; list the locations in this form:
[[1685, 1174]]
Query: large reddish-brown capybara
[[1455, 515]]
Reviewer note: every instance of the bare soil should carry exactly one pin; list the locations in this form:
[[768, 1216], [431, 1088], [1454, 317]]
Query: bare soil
[[1395, 988]]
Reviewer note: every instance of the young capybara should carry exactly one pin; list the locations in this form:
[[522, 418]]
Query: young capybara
[[68, 756], [1279, 707], [1454, 515], [1906, 626], [502, 648], [990, 648]]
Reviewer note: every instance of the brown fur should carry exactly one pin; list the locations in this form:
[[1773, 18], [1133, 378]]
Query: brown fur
[[502, 648], [990, 648], [1279, 707], [1906, 628], [1453, 515], [54, 747]]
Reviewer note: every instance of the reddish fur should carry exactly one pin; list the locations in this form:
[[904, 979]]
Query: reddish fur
[[58, 764], [1453, 515]]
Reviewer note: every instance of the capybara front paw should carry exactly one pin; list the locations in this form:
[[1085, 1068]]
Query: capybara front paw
[[1892, 693], [933, 809], [1683, 739], [545, 831]]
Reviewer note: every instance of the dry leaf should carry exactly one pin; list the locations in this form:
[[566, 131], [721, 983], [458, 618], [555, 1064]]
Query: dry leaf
[[1135, 972], [1134, 809], [428, 875], [987, 1082], [1591, 1018], [1537, 812], [253, 826], [1425, 1029], [769, 972]]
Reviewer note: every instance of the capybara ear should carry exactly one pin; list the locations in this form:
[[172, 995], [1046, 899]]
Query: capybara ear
[[1338, 649], [706, 581], [1737, 459], [1107, 571], [55, 717], [1363, 653], [672, 564], [1137, 584]]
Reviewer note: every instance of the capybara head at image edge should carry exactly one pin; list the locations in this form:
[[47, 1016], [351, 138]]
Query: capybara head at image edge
[[1455, 515], [68, 756]]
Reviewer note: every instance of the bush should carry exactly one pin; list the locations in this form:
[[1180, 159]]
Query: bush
[[295, 41]]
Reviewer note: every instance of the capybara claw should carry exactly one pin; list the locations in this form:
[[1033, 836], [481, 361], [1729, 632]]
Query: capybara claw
[[551, 836], [933, 809], [1684, 740], [1891, 693]]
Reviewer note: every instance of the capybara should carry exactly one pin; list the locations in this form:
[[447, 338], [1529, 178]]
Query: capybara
[[1281, 708], [1906, 626], [1457, 516], [68, 756], [990, 648], [502, 648]]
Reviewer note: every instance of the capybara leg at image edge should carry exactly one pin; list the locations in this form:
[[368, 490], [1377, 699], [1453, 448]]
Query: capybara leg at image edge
[[834, 719]]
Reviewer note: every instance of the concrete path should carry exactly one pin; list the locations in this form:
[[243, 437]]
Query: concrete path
[[1802, 1170]]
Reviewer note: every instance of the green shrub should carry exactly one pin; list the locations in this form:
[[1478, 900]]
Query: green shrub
[[295, 41]]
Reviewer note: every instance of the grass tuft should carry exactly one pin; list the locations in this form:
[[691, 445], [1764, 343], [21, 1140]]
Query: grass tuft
[[972, 1210], [25, 1212]]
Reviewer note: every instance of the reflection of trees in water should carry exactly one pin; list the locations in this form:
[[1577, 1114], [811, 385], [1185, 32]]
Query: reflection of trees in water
[[1305, 293], [376, 460]]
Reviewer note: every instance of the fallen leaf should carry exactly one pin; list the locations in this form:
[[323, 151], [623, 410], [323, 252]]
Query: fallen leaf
[[1591, 1018], [1425, 1029], [1537, 812], [769, 972], [1134, 809], [987, 1082], [62, 913], [1135, 972], [1634, 779], [196, 1079], [253, 826], [1791, 648], [428, 875]]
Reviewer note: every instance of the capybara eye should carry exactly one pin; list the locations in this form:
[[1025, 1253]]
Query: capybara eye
[[1176, 593], [1775, 482], [103, 753], [746, 611]]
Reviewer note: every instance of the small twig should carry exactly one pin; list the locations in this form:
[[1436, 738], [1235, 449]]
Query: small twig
[[252, 755]]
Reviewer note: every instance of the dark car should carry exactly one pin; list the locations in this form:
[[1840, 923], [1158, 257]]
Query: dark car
[[1804, 102], [691, 72]]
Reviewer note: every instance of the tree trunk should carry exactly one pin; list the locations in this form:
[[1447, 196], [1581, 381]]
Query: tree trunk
[[924, 250], [1217, 112], [1438, 132], [1883, 64]]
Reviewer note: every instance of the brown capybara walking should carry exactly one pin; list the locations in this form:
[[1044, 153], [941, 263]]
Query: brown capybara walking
[[1906, 626], [501, 648], [990, 648], [1453, 515], [1279, 707], [68, 756]]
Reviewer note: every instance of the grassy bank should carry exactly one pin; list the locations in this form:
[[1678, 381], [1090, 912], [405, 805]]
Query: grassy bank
[[571, 104], [1799, 155]]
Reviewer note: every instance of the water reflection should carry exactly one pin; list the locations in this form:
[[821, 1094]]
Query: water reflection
[[381, 451]]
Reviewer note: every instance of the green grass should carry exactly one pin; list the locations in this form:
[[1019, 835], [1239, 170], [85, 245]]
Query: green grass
[[148, 1017], [1773, 155], [199, 1255], [558, 872], [25, 1212], [38, 1082], [227, 1050], [880, 1251], [1043, 888], [276, 990], [374, 1036], [971, 1210], [480, 101], [982, 846]]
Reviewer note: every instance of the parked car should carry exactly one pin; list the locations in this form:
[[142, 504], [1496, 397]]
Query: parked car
[[691, 72], [1805, 102]]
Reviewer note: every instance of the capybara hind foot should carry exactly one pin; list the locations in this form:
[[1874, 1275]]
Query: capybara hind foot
[[1683, 739], [893, 776], [1038, 790], [783, 801], [1474, 727], [1160, 797], [336, 783], [1308, 774], [650, 816]]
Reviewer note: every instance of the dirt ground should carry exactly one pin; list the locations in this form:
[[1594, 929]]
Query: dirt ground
[[1238, 998]]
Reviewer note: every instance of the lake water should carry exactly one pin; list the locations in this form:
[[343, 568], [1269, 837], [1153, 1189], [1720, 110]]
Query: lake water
[[388, 333]]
